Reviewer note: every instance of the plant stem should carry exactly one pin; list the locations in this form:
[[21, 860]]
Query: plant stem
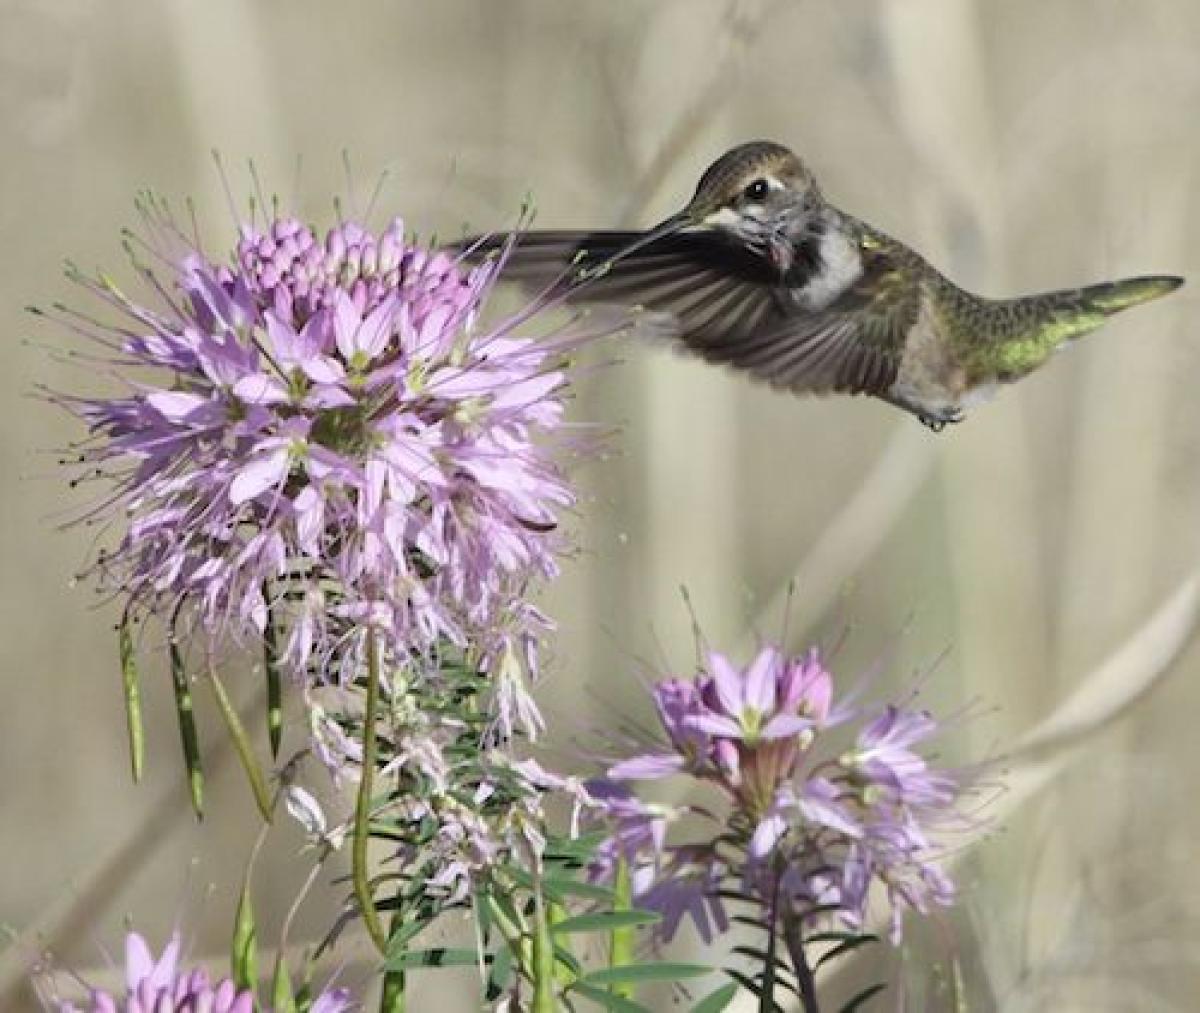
[[543, 959], [793, 937], [362, 808]]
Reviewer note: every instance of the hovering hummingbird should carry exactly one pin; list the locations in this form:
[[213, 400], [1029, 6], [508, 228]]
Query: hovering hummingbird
[[761, 273]]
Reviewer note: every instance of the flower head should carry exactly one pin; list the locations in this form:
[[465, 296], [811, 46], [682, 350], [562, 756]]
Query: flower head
[[327, 440], [815, 826], [163, 986]]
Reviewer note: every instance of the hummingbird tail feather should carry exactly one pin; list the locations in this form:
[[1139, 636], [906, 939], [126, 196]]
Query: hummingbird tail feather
[[1114, 296]]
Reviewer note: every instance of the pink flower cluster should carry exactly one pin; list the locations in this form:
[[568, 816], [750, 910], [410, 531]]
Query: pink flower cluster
[[325, 440]]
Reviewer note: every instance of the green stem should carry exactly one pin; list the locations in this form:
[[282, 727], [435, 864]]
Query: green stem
[[392, 999], [543, 960], [623, 940], [362, 808], [766, 999], [793, 937]]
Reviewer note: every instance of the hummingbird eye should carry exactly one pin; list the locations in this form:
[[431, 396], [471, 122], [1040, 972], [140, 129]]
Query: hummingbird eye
[[757, 190]]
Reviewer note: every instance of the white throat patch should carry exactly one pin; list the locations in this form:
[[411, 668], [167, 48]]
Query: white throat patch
[[841, 266]]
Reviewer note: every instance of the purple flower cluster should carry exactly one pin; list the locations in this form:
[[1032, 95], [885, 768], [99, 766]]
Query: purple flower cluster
[[335, 444], [461, 807], [815, 828], [162, 986]]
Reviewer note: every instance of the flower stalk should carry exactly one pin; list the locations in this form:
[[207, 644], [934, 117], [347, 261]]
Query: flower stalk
[[362, 810]]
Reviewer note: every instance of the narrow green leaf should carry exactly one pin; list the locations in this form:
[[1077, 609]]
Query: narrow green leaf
[[566, 966], [605, 921], [133, 700], [438, 956], [283, 999], [500, 974], [609, 1000], [244, 955], [558, 887], [400, 936], [274, 676], [242, 746], [831, 937], [844, 948], [575, 848], [654, 971], [752, 986], [863, 996], [716, 1001], [186, 713]]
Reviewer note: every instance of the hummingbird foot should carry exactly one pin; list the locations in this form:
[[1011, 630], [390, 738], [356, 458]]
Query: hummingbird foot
[[938, 422]]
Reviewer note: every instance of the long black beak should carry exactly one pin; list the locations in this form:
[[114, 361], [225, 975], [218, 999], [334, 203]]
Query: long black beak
[[668, 227]]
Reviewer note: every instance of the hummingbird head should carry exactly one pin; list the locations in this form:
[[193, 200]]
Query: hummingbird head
[[759, 195], [762, 196]]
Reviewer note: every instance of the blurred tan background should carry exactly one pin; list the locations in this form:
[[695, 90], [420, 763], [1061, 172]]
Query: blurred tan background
[[1021, 145]]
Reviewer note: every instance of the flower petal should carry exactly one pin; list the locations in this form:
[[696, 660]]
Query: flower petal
[[648, 767], [260, 474]]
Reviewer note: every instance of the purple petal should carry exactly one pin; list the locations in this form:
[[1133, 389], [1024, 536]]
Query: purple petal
[[648, 767], [346, 320], [713, 724], [727, 681], [785, 726], [261, 388], [176, 405], [260, 474], [767, 834], [760, 681]]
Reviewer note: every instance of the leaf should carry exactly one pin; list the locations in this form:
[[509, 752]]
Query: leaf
[[557, 887], [500, 974], [609, 1000], [575, 849], [863, 996], [831, 937], [845, 947], [716, 1001], [439, 956], [605, 921], [654, 971], [752, 986]]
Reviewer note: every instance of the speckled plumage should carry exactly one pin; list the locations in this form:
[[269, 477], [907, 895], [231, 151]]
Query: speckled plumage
[[761, 273]]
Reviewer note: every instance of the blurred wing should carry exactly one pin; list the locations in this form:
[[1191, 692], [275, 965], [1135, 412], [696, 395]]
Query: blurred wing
[[729, 306], [854, 345], [694, 288]]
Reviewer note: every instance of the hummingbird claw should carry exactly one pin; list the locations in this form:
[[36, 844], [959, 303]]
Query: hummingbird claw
[[937, 423]]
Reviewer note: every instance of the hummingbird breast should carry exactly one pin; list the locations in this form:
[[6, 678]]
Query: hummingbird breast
[[932, 381]]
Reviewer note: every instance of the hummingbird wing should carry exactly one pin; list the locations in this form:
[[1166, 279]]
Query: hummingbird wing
[[729, 305], [694, 288], [852, 345]]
